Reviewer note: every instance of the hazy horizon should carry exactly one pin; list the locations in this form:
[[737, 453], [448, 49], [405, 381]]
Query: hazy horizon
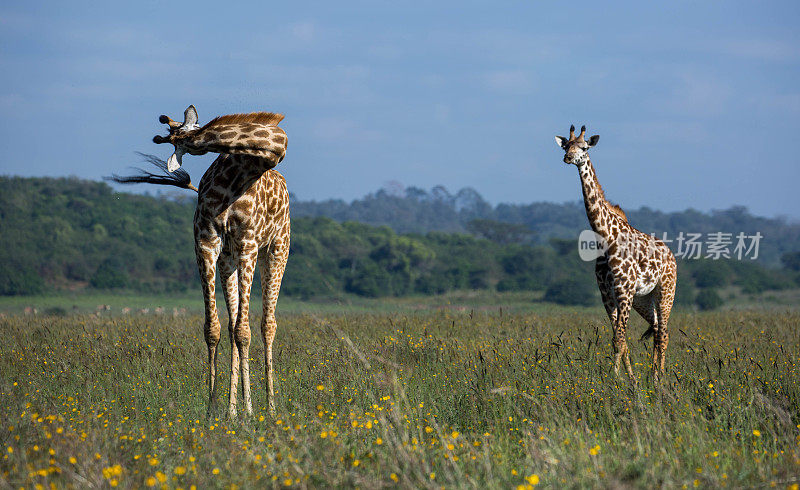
[[167, 191]]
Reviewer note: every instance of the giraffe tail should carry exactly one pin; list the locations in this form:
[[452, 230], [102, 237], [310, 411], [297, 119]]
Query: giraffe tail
[[647, 334], [178, 178]]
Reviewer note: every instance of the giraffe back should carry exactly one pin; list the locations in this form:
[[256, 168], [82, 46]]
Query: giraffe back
[[242, 202]]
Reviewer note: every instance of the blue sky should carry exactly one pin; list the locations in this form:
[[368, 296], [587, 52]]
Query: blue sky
[[696, 103]]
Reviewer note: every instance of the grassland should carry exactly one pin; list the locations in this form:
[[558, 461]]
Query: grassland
[[415, 397], [87, 301]]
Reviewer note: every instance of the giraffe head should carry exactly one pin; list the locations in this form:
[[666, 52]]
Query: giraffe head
[[576, 148], [178, 134]]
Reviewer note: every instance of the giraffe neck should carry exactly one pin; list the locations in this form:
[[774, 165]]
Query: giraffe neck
[[237, 172], [255, 140], [594, 200]]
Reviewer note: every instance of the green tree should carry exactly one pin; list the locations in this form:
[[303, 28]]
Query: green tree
[[712, 273], [367, 279], [708, 299], [19, 279], [685, 292], [791, 261], [570, 291], [502, 233], [111, 274]]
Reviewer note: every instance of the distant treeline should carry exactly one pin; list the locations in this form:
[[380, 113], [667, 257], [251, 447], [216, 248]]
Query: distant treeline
[[414, 210], [68, 233]]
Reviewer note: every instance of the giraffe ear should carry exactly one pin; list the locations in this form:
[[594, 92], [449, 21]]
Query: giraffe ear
[[593, 140], [190, 116], [561, 141]]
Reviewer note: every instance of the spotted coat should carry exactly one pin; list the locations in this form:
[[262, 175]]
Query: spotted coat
[[242, 211], [636, 270]]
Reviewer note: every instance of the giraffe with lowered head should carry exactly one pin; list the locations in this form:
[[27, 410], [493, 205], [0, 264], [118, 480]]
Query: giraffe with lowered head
[[242, 209], [635, 271]]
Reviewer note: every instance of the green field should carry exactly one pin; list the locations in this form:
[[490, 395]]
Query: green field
[[413, 395], [88, 302]]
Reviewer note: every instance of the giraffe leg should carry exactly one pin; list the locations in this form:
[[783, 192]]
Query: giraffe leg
[[660, 341], [241, 333], [649, 308], [207, 250], [620, 342], [272, 268], [664, 308], [605, 283], [645, 307], [230, 283]]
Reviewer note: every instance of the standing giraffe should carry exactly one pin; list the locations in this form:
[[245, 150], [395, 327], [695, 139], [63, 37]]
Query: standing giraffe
[[636, 270], [242, 208]]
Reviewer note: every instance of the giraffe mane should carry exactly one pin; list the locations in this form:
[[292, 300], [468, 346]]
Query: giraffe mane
[[614, 208], [265, 118]]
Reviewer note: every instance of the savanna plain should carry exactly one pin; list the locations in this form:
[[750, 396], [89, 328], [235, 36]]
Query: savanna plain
[[434, 396]]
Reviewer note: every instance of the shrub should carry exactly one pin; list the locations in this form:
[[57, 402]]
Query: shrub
[[685, 293], [570, 291], [791, 261], [708, 299], [712, 273], [110, 274], [17, 279]]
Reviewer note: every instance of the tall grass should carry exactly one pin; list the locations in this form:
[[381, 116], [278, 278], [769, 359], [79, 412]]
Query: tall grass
[[402, 400]]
